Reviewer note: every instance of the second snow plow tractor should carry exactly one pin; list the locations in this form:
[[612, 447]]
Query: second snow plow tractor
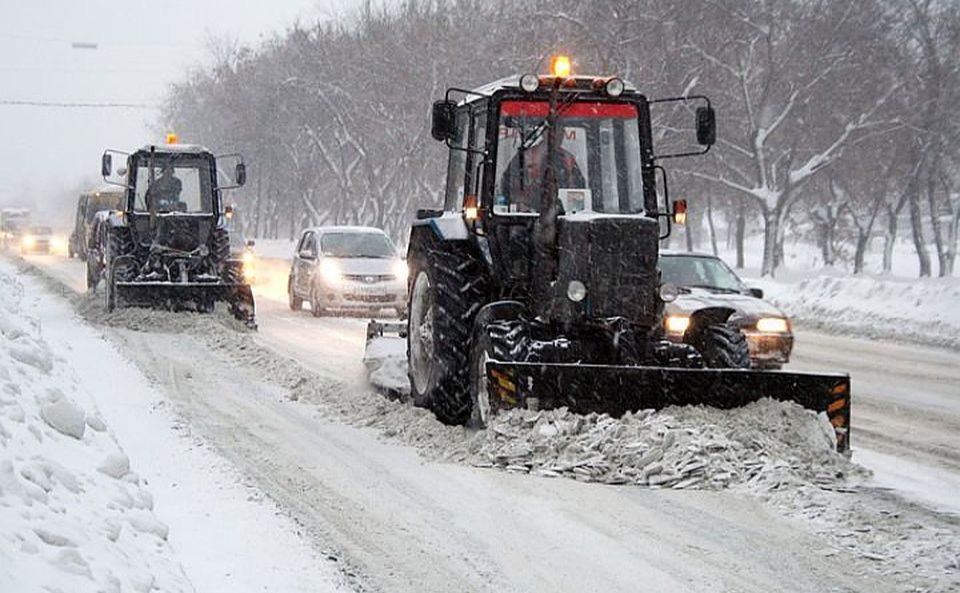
[[537, 285], [169, 246]]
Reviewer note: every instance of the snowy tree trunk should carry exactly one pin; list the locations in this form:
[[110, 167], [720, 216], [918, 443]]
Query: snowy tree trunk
[[741, 226], [916, 225], [771, 231], [712, 229], [863, 241]]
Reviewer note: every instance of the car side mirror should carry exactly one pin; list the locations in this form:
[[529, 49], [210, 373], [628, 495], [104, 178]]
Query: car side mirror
[[241, 174], [706, 126], [755, 292], [443, 127], [307, 254], [251, 242], [106, 164]]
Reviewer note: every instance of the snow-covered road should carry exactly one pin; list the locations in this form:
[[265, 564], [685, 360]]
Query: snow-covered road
[[401, 522]]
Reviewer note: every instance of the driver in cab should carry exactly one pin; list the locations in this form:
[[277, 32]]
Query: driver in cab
[[165, 189], [523, 178]]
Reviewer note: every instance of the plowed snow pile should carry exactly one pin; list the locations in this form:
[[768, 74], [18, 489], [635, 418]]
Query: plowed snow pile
[[762, 446], [73, 516]]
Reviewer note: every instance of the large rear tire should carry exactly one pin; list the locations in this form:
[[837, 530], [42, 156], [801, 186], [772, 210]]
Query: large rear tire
[[725, 347], [447, 291]]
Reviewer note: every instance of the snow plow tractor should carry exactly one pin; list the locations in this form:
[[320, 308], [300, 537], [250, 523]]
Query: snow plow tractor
[[169, 245], [538, 286]]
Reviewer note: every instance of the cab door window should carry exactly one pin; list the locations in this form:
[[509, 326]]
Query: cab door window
[[457, 165]]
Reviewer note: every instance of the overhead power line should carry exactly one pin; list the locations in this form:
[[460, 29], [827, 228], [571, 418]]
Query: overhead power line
[[79, 104]]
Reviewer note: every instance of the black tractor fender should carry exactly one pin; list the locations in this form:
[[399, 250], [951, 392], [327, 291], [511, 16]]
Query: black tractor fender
[[701, 319]]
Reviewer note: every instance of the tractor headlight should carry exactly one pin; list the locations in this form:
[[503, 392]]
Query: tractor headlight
[[529, 82], [330, 272], [400, 270], [677, 324], [614, 87], [773, 325], [576, 291]]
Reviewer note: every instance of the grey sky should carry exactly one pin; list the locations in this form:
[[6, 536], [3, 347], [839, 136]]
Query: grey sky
[[48, 152]]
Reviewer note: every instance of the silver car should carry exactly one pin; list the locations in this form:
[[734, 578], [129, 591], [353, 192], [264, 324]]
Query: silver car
[[347, 269]]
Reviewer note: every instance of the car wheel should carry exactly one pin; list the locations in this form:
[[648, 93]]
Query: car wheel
[[295, 302]]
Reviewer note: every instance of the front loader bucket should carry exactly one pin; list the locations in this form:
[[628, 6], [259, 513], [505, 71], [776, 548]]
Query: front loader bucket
[[615, 390], [176, 295]]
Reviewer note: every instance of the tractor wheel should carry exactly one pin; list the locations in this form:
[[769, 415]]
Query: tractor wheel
[[447, 291], [118, 242], [295, 302], [505, 340], [725, 348]]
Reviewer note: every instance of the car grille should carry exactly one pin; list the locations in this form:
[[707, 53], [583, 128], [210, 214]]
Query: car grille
[[370, 278]]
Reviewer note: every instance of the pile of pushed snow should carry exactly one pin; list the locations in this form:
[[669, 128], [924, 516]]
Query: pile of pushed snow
[[920, 310], [74, 516], [761, 446]]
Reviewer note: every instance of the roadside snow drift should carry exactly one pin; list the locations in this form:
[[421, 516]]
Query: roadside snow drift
[[918, 310], [74, 516]]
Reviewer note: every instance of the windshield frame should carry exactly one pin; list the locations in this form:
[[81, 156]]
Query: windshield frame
[[647, 196], [142, 157]]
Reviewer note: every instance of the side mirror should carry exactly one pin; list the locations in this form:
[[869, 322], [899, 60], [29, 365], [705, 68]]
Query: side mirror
[[241, 174], [680, 212], [106, 164], [443, 127], [706, 126], [307, 254], [122, 171], [755, 292], [251, 242]]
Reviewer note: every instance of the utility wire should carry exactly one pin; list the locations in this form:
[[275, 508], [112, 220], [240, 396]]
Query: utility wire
[[77, 104]]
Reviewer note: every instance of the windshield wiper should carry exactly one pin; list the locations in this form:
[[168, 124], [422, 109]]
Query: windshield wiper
[[537, 132], [719, 288]]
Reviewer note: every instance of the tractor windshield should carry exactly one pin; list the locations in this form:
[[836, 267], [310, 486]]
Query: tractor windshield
[[598, 164], [174, 185]]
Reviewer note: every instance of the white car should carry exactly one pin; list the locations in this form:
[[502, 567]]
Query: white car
[[347, 269]]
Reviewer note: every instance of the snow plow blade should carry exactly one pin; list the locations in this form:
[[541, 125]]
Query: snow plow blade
[[615, 390], [170, 295], [385, 357]]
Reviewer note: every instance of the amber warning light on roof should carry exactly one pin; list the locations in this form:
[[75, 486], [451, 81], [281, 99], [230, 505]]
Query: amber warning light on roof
[[560, 66], [171, 138]]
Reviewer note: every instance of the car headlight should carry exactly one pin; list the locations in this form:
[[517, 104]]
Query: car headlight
[[249, 266], [330, 272], [773, 325], [29, 241], [677, 324], [400, 270]]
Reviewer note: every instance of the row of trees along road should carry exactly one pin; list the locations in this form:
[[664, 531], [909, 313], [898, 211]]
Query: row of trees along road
[[836, 119]]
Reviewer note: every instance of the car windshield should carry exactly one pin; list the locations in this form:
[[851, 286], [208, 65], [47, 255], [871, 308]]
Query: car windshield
[[699, 272], [356, 245], [598, 165], [174, 185], [41, 230]]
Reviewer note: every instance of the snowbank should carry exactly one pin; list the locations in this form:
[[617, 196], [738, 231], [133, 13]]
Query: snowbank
[[75, 517], [916, 310]]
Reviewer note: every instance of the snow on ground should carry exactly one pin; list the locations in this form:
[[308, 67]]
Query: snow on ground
[[917, 310], [227, 535], [76, 516]]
